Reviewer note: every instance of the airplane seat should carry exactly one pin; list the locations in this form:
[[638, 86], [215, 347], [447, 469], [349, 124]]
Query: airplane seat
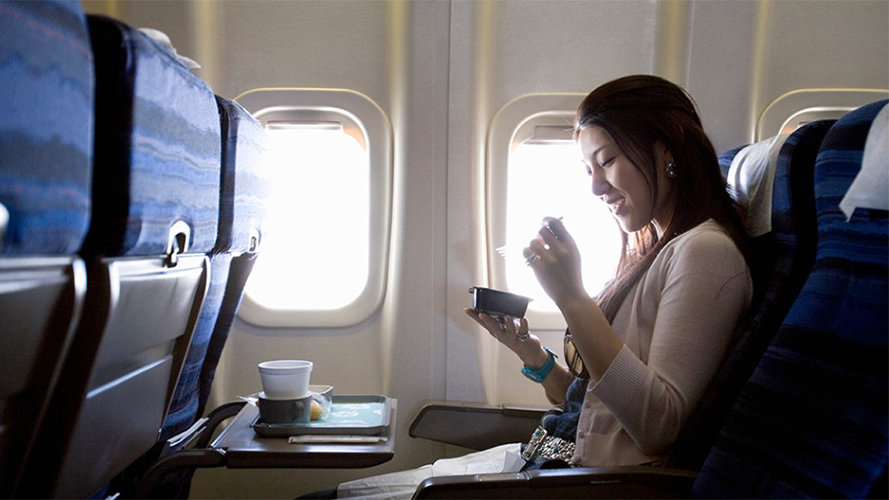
[[781, 260], [247, 178], [244, 188], [154, 220], [46, 138], [812, 420]]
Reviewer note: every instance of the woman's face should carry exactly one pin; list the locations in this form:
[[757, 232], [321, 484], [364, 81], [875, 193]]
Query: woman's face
[[617, 182]]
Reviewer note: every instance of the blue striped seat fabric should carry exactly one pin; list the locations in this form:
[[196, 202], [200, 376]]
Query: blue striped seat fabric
[[243, 194], [157, 147], [46, 140], [46, 134], [245, 170], [245, 175]]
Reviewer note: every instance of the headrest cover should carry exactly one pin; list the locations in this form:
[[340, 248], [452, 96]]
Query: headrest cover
[[163, 40], [750, 180], [870, 189]]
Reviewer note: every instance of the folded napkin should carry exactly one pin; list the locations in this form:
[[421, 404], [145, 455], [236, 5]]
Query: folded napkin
[[161, 38], [751, 179], [870, 189]]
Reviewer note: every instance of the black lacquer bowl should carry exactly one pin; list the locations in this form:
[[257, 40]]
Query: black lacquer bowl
[[498, 303]]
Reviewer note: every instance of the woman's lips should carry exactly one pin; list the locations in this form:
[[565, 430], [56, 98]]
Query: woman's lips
[[615, 205]]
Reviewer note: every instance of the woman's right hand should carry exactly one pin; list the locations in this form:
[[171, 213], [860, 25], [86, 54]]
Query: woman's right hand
[[514, 334], [555, 259]]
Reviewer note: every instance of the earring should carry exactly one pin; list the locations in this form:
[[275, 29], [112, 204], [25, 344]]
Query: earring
[[671, 170]]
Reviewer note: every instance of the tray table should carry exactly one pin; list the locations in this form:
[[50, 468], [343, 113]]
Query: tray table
[[244, 448], [238, 446], [349, 415]]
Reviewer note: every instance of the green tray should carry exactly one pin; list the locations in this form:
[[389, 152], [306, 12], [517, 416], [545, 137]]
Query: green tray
[[349, 415]]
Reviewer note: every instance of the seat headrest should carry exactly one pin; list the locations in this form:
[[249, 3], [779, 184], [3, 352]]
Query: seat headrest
[[245, 179], [157, 146]]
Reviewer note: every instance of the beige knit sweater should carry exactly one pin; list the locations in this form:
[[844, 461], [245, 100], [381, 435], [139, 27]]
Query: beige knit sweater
[[676, 325]]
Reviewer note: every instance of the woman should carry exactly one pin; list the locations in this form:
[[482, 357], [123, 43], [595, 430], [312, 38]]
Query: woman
[[646, 348], [653, 340]]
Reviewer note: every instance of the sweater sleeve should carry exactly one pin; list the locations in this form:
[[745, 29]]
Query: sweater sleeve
[[702, 287]]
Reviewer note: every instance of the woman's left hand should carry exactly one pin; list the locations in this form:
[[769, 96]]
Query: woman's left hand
[[555, 260]]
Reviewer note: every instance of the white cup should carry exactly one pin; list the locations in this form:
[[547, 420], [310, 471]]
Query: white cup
[[285, 378]]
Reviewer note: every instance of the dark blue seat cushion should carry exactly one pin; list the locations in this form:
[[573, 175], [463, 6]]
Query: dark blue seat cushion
[[46, 130], [157, 147]]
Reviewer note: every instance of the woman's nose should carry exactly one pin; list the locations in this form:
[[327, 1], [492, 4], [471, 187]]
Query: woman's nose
[[598, 183]]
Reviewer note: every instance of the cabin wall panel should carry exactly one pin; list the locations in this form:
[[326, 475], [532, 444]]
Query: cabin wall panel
[[573, 46], [745, 54], [414, 309], [719, 72], [324, 44], [826, 44]]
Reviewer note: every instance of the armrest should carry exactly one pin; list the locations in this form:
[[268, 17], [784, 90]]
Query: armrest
[[216, 417], [475, 426], [183, 457], [580, 482]]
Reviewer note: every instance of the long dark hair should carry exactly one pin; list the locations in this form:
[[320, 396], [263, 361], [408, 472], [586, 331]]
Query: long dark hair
[[639, 111]]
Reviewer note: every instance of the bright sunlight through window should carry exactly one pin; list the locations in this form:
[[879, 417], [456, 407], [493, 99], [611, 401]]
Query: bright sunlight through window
[[548, 179], [315, 254]]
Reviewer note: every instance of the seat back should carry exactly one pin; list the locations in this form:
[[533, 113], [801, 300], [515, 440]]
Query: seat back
[[46, 138], [154, 220], [246, 176], [244, 187], [780, 262], [812, 419], [243, 194]]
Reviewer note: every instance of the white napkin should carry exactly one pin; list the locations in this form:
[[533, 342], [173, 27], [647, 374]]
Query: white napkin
[[164, 40], [751, 180], [870, 189]]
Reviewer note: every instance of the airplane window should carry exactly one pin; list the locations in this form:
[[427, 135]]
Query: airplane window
[[323, 257], [317, 220], [534, 170], [548, 179]]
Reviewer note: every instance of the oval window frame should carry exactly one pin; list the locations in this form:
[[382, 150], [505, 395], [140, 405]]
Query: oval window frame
[[365, 121]]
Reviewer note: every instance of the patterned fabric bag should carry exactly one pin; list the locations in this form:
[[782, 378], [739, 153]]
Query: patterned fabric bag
[[552, 443]]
